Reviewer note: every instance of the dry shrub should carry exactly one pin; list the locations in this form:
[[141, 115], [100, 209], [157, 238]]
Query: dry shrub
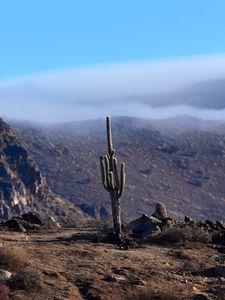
[[12, 259], [28, 279], [151, 294], [187, 233], [4, 292]]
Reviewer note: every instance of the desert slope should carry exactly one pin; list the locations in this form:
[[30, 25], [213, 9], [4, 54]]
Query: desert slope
[[177, 161]]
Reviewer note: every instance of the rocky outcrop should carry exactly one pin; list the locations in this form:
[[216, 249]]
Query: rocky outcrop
[[22, 185]]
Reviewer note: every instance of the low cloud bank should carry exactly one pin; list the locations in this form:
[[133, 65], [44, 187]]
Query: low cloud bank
[[150, 89]]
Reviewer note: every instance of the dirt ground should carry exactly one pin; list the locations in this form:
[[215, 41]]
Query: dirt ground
[[73, 267]]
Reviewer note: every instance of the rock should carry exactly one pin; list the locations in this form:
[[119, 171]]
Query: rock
[[51, 273], [50, 222], [187, 219], [135, 282], [20, 225], [210, 224], [32, 218], [13, 224], [168, 222], [145, 225], [114, 278], [4, 275], [160, 211], [220, 225]]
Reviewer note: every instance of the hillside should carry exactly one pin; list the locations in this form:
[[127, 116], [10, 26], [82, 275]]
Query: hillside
[[22, 185], [177, 161]]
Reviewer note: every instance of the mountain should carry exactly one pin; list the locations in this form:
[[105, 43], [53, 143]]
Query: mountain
[[22, 185], [177, 161]]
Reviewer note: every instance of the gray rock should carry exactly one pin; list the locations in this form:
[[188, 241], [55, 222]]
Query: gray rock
[[135, 282], [114, 278], [187, 219], [160, 211], [4, 275], [145, 225]]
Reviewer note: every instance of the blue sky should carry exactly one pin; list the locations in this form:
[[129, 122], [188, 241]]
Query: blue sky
[[41, 35]]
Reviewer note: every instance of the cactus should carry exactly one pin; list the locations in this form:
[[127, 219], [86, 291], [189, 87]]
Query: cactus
[[111, 181]]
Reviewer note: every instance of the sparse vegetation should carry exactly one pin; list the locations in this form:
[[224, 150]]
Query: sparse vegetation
[[162, 293], [28, 279], [13, 259], [185, 233]]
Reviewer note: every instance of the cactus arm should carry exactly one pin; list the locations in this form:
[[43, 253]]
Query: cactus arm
[[122, 180], [103, 173], [107, 169]]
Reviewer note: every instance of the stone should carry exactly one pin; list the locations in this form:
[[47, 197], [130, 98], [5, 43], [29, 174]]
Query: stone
[[187, 219], [168, 222], [114, 278], [50, 222], [32, 218], [210, 224], [138, 281], [160, 211], [51, 273], [4, 275], [145, 225]]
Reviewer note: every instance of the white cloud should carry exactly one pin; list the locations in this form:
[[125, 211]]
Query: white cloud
[[154, 89]]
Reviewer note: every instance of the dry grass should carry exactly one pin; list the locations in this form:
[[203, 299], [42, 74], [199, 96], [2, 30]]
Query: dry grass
[[182, 235], [165, 293], [4, 292], [13, 259], [25, 277], [28, 279]]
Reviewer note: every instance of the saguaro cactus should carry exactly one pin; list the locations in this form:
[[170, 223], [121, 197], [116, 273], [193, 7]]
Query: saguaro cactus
[[111, 181]]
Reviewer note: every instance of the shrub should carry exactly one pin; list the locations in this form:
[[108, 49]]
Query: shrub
[[27, 279], [4, 292], [186, 233], [12, 259]]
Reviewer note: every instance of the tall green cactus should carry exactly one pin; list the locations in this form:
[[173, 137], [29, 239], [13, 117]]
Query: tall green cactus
[[111, 181]]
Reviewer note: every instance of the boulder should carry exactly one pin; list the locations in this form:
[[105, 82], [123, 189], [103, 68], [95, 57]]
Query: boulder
[[33, 218], [160, 211], [145, 225]]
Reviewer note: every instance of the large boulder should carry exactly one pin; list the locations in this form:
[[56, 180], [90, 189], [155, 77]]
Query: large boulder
[[145, 225], [33, 218]]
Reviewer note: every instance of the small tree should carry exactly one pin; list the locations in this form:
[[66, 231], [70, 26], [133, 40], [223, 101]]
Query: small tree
[[111, 181]]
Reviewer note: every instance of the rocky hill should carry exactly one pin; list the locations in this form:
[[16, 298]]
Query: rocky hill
[[177, 161], [22, 185]]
